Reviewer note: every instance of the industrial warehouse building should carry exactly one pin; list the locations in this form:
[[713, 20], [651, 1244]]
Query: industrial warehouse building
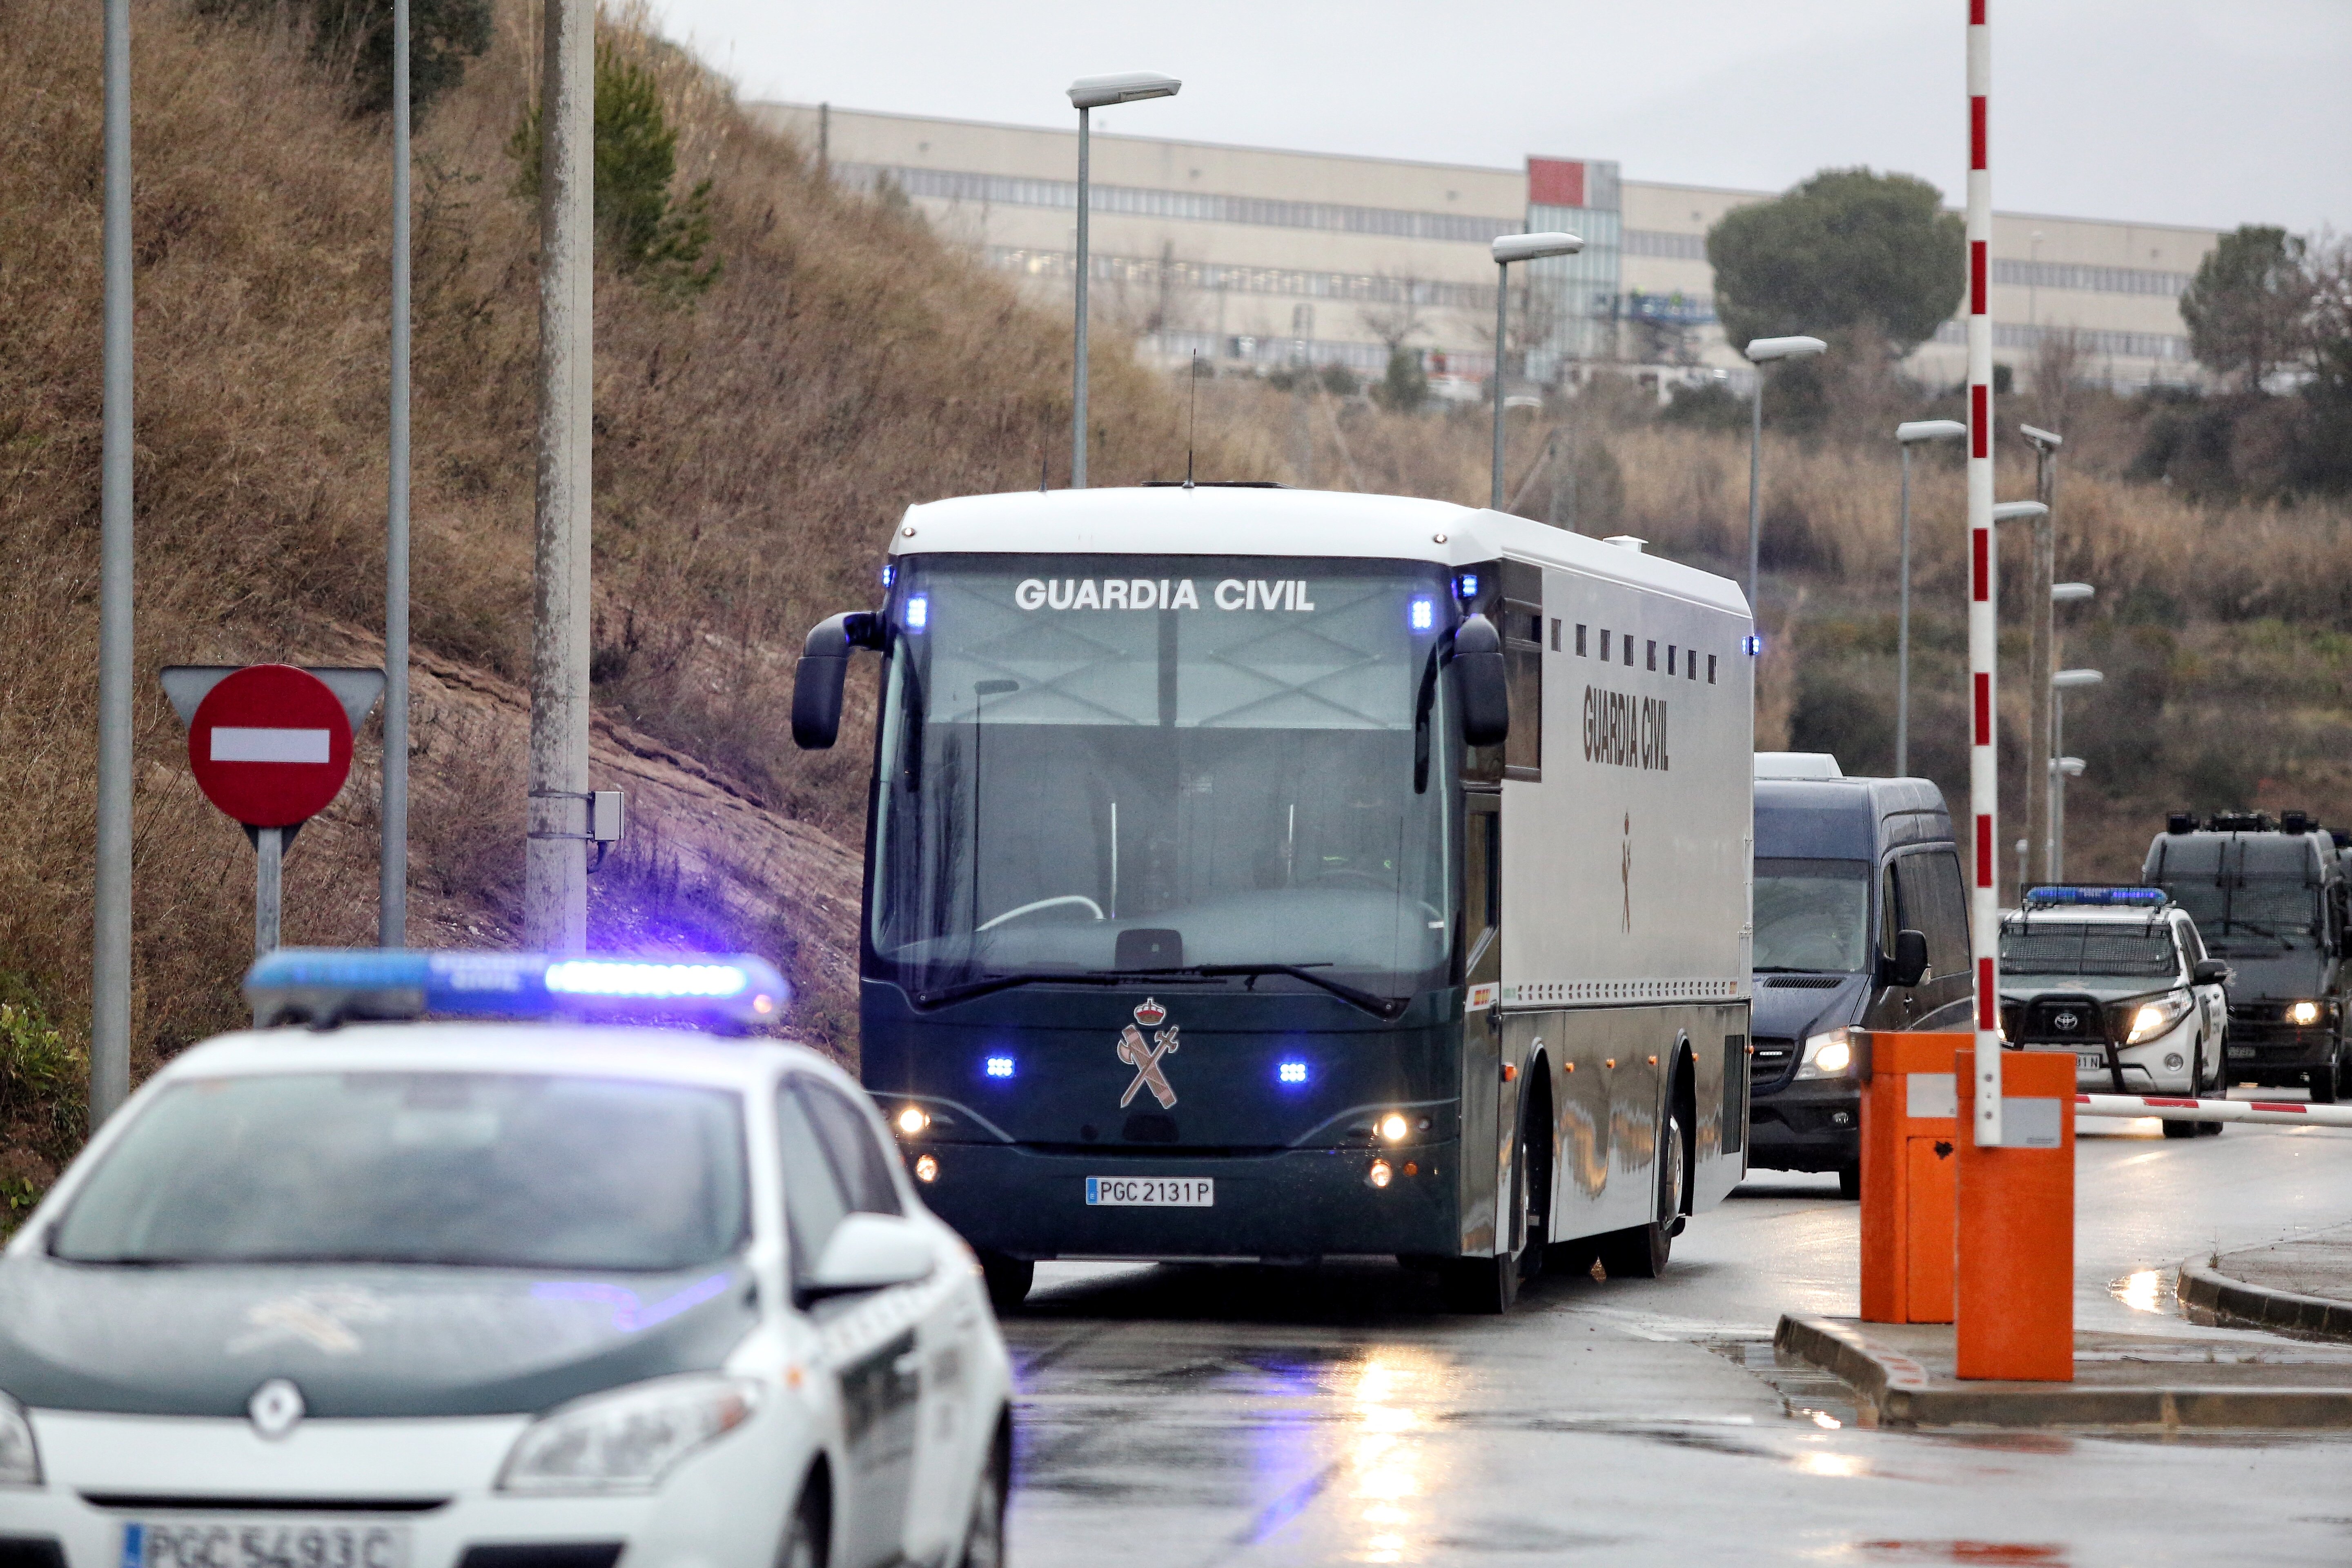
[[1247, 255]]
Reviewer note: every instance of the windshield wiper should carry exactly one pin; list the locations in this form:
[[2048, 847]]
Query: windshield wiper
[[1385, 1008], [988, 983]]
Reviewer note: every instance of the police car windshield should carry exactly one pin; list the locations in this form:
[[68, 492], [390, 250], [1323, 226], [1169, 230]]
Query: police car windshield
[[1811, 916], [1125, 763], [2043, 947], [515, 1171]]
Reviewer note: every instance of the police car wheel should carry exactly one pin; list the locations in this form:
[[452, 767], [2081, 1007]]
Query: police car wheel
[[983, 1537], [2327, 1081], [808, 1541], [1009, 1280]]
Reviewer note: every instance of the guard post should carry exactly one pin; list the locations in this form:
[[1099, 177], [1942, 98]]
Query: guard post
[[1910, 1138], [2016, 1212]]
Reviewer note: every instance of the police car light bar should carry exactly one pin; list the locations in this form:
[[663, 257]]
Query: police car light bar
[[2095, 895], [325, 985]]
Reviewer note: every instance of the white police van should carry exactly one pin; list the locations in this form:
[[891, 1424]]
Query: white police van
[[540, 1291], [2119, 977]]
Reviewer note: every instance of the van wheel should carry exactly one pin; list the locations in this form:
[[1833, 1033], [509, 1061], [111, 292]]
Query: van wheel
[[2180, 1129], [1850, 1181], [1642, 1251], [1009, 1280]]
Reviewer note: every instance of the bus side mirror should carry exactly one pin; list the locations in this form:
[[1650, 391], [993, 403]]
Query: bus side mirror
[[1480, 684], [1908, 967], [823, 667], [2209, 972]]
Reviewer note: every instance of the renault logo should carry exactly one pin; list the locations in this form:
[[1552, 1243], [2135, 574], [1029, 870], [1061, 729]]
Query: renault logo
[[276, 1407]]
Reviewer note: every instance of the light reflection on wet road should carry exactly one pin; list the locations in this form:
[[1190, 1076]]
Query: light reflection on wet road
[[1197, 1418]]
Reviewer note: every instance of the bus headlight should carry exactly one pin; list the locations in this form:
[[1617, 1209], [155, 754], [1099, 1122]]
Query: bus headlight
[[2150, 1019], [1827, 1055], [911, 1121], [2302, 1015], [1394, 1127]]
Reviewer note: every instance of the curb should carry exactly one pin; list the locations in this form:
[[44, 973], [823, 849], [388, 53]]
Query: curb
[[2203, 1289], [1893, 1391]]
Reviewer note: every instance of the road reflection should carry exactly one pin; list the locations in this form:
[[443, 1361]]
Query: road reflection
[[1388, 1462]]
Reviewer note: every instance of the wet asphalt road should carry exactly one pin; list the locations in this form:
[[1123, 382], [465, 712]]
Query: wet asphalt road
[[1198, 1417]]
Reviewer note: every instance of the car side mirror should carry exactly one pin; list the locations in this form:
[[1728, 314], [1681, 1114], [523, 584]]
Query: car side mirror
[[868, 1252], [1480, 684], [823, 667], [2209, 972], [1908, 964]]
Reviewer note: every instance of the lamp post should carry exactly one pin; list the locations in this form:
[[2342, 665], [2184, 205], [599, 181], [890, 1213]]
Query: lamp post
[[2041, 642], [1906, 434], [1508, 249], [2060, 684], [1090, 93], [1761, 352]]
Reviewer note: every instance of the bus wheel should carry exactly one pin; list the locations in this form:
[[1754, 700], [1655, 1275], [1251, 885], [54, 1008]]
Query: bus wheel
[[1009, 1280], [1640, 1252], [1489, 1285]]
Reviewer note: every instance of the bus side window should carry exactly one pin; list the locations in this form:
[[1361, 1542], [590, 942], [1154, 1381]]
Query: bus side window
[[1522, 628], [1482, 881]]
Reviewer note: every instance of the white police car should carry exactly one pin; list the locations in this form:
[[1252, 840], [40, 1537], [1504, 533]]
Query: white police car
[[2119, 977], [558, 1293]]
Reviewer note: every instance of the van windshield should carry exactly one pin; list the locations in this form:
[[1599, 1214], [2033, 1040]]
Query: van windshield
[[2243, 913], [1813, 916]]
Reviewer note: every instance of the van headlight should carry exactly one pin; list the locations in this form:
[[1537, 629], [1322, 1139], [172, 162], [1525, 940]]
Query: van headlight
[[2150, 1019], [627, 1439], [1827, 1054], [20, 1461]]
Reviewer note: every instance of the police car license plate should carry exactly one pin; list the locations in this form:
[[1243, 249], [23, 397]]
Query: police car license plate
[[2090, 1061], [246, 1541], [1152, 1192]]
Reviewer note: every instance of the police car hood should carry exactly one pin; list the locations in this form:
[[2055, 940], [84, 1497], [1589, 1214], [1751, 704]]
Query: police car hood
[[180, 1339], [2102, 987]]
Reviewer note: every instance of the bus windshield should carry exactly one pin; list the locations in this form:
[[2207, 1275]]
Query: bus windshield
[[1098, 763]]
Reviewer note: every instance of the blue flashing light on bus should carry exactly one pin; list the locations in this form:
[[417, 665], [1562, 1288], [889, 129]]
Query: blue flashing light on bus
[[919, 612], [890, 572], [999, 1067], [1752, 644], [1466, 586], [1292, 1072], [1424, 615], [328, 985]]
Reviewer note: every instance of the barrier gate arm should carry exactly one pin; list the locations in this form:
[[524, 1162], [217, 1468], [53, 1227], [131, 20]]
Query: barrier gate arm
[[2173, 1107]]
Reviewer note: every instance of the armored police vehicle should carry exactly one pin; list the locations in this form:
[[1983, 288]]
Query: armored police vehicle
[[1259, 874], [1861, 923], [2269, 899]]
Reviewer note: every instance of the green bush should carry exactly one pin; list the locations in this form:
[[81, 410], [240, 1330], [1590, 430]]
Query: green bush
[[641, 228]]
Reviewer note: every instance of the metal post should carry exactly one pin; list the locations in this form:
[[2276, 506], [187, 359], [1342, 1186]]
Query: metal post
[[269, 888], [2057, 787], [1502, 291], [555, 862], [109, 1001], [391, 859], [1755, 488], [1079, 367], [2040, 749], [2021, 883], [1903, 637], [1984, 757]]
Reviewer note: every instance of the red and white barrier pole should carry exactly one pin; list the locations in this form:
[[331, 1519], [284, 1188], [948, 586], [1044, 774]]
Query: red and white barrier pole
[[2173, 1107], [1984, 765]]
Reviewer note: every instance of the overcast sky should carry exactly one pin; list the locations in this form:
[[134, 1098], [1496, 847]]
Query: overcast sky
[[2161, 111]]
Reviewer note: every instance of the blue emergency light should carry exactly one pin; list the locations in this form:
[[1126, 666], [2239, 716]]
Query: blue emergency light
[[1424, 615], [999, 1067], [2114, 896], [919, 612], [326, 985], [1292, 1072], [1466, 586]]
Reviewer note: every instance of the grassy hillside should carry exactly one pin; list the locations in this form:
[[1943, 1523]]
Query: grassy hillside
[[753, 445]]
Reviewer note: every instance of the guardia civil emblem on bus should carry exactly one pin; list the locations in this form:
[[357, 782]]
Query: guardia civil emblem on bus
[[1430, 824]]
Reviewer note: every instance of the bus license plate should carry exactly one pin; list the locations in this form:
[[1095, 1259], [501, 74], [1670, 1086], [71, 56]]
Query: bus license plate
[[1152, 1192], [245, 1542]]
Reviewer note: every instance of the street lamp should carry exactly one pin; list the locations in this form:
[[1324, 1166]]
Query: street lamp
[[2041, 639], [2060, 683], [1761, 352], [1090, 93], [1508, 249], [1906, 434]]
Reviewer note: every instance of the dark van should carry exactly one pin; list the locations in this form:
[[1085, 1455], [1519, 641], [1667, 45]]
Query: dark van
[[1861, 922], [2269, 899]]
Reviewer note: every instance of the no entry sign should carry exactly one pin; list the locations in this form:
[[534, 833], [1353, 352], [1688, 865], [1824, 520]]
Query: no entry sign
[[270, 745]]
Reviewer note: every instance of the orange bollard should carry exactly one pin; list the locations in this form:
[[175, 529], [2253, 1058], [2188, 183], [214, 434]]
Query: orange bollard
[[1910, 1143], [2016, 1276]]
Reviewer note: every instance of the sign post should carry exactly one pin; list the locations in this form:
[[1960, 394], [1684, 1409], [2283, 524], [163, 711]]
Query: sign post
[[270, 745]]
